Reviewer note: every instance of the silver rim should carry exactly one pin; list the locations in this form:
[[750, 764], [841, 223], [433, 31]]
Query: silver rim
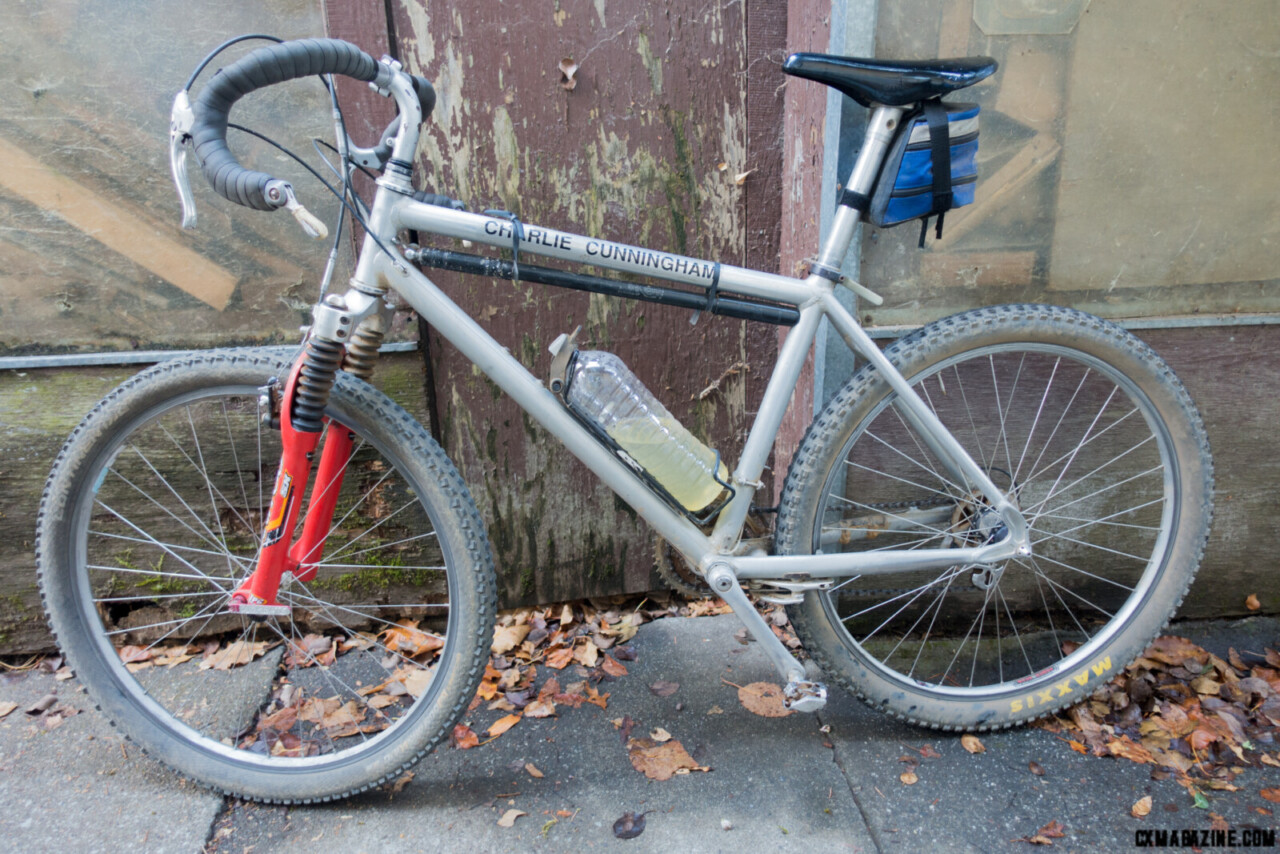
[[173, 524], [1082, 451]]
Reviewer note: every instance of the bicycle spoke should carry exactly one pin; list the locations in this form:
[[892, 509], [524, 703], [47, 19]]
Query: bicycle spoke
[[1078, 571], [1085, 465], [1048, 386]]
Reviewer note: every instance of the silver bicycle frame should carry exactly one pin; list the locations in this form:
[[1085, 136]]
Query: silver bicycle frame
[[378, 271]]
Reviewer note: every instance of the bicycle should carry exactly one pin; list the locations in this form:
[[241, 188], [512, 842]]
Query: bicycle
[[995, 514]]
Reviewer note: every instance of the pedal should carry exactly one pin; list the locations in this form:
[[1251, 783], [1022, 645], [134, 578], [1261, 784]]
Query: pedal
[[804, 696]]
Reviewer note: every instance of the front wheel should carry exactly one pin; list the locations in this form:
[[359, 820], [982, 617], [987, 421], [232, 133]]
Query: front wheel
[[1086, 431], [153, 516]]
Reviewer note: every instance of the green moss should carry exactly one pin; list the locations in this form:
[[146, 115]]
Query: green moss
[[683, 201], [491, 445], [530, 428], [527, 581], [373, 579], [621, 506], [159, 585]]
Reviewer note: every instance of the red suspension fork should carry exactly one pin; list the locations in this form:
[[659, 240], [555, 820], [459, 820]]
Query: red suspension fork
[[324, 498], [301, 423]]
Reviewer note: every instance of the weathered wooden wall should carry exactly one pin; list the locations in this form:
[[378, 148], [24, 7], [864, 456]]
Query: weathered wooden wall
[[670, 104], [1233, 374], [38, 410], [801, 193], [91, 255]]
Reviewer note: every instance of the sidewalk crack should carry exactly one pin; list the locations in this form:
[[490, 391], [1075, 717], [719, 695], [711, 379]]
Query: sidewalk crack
[[854, 790]]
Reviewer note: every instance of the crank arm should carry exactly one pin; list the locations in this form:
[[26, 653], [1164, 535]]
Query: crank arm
[[800, 694]]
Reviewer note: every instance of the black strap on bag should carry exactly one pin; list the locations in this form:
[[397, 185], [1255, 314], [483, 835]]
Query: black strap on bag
[[935, 114]]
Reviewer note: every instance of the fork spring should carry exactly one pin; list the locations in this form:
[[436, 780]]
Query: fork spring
[[362, 349], [311, 395]]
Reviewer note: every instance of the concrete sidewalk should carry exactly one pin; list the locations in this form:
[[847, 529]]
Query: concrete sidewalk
[[825, 782]]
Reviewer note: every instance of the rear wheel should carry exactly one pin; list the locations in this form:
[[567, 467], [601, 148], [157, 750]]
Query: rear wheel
[[153, 516], [1082, 427]]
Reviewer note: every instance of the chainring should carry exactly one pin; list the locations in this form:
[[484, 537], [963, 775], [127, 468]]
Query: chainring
[[677, 573]]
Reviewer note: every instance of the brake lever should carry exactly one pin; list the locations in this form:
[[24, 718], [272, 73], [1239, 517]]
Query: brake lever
[[180, 121]]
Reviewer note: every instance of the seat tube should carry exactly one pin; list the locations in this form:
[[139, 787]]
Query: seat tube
[[880, 130]]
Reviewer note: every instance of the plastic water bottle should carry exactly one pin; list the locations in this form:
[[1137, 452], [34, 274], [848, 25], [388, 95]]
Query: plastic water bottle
[[605, 390]]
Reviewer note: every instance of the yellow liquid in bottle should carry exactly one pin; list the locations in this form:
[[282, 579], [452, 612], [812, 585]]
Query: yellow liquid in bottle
[[651, 447]]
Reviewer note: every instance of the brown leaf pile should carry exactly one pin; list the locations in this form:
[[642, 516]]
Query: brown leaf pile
[[1179, 707], [585, 643]]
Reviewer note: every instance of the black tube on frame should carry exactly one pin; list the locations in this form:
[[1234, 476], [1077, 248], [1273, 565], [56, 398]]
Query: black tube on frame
[[478, 265]]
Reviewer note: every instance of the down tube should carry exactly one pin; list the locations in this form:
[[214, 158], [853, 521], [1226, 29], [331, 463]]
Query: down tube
[[512, 377]]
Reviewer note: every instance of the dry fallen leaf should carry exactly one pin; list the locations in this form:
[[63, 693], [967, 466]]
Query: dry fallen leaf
[[509, 817], [664, 688], [501, 725], [464, 737], [763, 699], [1045, 835], [1141, 808], [1272, 795], [661, 761], [587, 653], [613, 667], [407, 639], [741, 177], [43, 704], [533, 771], [400, 783], [660, 735], [1252, 602], [629, 826], [1036, 768], [507, 638], [540, 709], [970, 742], [909, 777], [236, 654], [559, 659], [6, 707]]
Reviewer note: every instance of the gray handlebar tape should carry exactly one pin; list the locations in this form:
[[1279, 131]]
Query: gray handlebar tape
[[265, 67]]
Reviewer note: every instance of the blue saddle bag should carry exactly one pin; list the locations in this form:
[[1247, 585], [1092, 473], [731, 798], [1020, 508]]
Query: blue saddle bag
[[931, 166]]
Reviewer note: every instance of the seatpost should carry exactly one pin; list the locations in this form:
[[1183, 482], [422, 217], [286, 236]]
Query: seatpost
[[880, 129]]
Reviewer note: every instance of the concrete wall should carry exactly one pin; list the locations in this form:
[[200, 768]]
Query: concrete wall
[[1128, 168]]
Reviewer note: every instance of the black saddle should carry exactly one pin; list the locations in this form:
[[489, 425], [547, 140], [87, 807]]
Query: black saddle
[[892, 82]]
